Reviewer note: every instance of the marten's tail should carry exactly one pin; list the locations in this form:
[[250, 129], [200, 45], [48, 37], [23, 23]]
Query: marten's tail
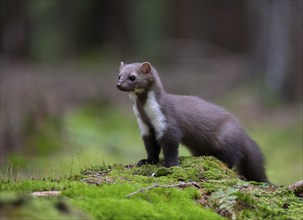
[[252, 164]]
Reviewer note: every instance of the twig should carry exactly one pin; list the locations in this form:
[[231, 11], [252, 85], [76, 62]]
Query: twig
[[180, 184], [46, 193], [297, 187]]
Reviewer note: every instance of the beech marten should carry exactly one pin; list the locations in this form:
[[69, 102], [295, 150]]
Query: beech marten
[[166, 120]]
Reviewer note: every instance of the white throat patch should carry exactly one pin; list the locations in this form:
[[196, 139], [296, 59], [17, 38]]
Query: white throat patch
[[155, 115], [153, 112], [144, 129]]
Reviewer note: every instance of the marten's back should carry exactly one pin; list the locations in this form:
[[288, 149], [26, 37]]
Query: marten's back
[[196, 112], [205, 126]]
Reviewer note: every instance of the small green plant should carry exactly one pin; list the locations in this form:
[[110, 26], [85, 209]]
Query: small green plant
[[225, 202], [11, 172]]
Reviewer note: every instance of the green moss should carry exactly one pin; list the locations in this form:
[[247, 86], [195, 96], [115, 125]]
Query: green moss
[[154, 204], [212, 190], [190, 169], [270, 203], [13, 206], [163, 171], [208, 167]]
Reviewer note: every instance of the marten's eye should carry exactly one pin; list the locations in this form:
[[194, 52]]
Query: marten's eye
[[132, 78], [119, 77]]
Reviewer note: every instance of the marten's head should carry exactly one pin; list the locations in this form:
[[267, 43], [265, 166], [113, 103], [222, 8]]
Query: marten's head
[[135, 77]]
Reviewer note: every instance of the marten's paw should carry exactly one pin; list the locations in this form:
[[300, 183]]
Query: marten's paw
[[142, 162], [146, 161], [171, 163]]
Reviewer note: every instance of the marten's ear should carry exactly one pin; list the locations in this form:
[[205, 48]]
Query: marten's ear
[[122, 65], [145, 67]]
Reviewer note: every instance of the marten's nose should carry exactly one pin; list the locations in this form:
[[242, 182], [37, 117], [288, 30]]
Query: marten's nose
[[119, 84]]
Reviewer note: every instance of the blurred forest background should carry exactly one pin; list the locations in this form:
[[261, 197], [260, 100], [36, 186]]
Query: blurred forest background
[[61, 111]]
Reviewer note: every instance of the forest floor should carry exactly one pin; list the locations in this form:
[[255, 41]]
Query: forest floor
[[200, 188]]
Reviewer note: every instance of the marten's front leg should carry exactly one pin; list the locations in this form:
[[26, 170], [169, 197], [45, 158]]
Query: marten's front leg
[[170, 144], [153, 150]]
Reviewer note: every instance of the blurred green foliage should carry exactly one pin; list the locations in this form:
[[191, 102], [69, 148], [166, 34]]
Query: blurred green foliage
[[45, 138], [47, 39], [149, 22], [14, 206], [105, 129]]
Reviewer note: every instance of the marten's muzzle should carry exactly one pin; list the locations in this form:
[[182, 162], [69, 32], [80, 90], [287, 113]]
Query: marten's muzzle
[[119, 85], [122, 87]]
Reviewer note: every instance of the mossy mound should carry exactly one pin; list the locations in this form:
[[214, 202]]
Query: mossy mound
[[200, 188], [190, 169]]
